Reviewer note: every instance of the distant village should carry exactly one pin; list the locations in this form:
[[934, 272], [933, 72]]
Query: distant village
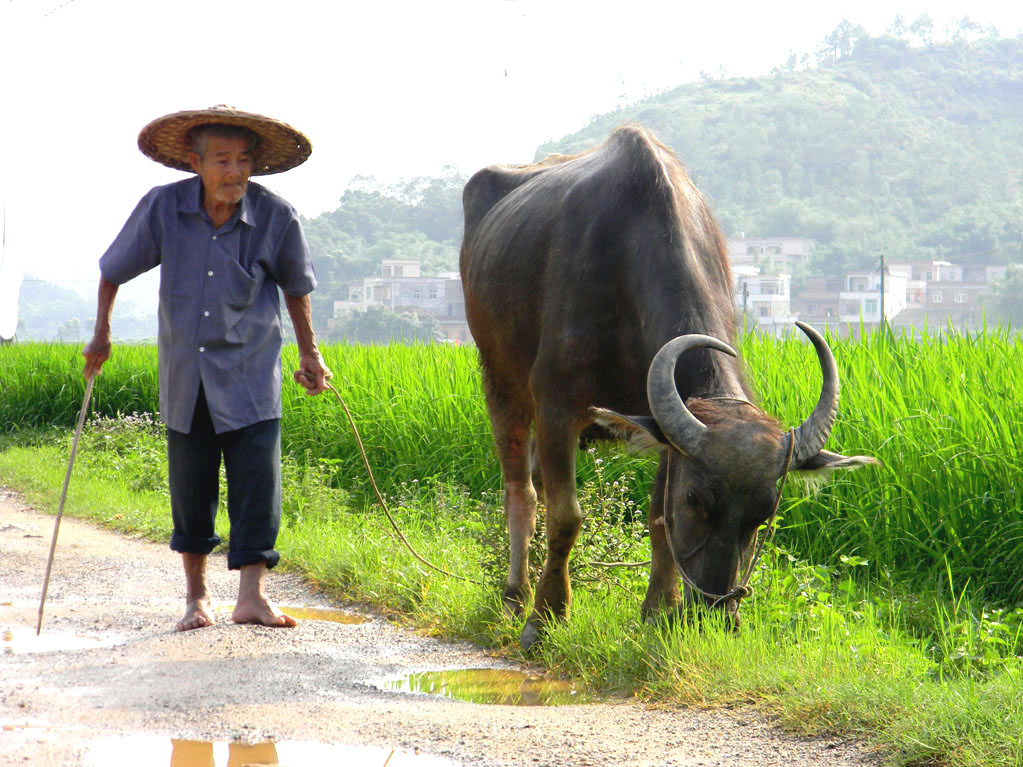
[[929, 295]]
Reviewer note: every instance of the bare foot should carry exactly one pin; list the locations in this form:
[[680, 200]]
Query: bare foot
[[252, 605], [197, 616], [263, 612]]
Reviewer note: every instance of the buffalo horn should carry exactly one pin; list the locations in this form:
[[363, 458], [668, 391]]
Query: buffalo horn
[[681, 427], [814, 431]]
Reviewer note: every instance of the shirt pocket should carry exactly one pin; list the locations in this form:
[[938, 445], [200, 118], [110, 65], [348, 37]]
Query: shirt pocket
[[241, 285]]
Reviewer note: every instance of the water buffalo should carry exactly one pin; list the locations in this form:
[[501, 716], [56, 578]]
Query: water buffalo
[[597, 285]]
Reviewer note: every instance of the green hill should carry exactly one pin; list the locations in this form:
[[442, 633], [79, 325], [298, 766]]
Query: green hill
[[912, 151], [49, 312], [915, 151]]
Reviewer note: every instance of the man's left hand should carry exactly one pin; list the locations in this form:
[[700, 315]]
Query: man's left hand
[[313, 374]]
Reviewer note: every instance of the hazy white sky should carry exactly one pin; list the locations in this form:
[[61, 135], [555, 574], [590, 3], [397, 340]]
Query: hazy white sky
[[382, 88]]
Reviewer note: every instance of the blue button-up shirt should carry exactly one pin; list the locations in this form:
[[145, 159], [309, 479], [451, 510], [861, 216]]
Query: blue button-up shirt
[[219, 316]]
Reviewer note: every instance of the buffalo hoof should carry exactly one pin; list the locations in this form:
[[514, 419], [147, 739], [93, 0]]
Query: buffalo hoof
[[530, 637], [515, 599], [670, 616]]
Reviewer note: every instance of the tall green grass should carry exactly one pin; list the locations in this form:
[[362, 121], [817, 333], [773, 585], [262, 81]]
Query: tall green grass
[[939, 411], [818, 652]]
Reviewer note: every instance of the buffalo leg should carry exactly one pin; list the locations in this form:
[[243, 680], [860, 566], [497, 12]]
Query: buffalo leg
[[662, 592], [556, 442], [520, 513], [510, 423]]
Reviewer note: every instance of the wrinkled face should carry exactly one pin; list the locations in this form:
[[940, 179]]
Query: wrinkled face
[[714, 504], [224, 168]]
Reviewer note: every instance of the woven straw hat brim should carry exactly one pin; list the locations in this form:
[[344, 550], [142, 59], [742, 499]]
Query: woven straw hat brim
[[281, 147]]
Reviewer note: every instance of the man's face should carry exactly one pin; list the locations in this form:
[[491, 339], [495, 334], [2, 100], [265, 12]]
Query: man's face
[[224, 169]]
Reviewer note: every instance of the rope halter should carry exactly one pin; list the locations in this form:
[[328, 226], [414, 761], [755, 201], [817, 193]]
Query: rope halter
[[743, 590]]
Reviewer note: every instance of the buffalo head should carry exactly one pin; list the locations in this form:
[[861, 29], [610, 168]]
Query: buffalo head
[[722, 458]]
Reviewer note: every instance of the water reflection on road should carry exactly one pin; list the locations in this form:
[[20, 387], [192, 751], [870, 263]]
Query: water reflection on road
[[152, 750], [492, 685]]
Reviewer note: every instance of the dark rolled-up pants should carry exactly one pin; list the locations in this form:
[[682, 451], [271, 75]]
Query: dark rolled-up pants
[[252, 463]]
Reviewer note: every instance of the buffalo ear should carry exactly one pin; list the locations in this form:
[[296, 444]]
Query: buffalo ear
[[641, 433], [825, 462]]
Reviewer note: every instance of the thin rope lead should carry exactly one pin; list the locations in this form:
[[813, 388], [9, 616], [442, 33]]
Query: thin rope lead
[[383, 503], [743, 590]]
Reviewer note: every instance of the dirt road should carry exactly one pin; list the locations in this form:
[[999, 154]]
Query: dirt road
[[110, 682]]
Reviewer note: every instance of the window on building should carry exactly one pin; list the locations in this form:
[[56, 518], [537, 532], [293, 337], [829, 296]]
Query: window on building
[[961, 297], [416, 294], [397, 271], [765, 310], [870, 307], [433, 292], [936, 297], [387, 271]]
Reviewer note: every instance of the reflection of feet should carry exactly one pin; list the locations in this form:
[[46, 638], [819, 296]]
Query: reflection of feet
[[263, 612], [197, 616]]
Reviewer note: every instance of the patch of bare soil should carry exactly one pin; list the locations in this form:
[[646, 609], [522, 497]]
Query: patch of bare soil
[[109, 665]]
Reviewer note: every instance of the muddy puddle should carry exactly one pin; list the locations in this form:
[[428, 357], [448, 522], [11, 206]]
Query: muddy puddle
[[308, 614], [131, 751], [503, 687], [323, 614], [20, 640]]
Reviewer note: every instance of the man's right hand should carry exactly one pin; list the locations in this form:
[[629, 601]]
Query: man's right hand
[[96, 352]]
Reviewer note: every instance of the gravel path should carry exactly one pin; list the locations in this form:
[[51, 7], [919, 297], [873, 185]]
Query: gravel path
[[110, 682]]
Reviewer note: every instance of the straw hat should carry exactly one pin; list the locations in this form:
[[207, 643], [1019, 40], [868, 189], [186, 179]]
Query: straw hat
[[280, 148]]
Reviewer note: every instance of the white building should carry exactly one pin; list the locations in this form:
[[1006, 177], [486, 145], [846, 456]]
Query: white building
[[763, 299], [860, 301]]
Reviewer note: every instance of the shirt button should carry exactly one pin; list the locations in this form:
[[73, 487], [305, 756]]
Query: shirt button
[[205, 314], [214, 237], [209, 274], [202, 348]]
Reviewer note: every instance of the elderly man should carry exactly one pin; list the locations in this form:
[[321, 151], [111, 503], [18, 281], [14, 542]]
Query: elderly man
[[224, 246]]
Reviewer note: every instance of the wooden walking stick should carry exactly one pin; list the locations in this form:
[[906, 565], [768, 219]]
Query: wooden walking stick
[[63, 496]]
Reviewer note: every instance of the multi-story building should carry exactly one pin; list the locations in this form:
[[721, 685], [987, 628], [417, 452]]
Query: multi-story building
[[861, 301], [916, 293], [940, 292], [818, 302], [762, 269], [771, 255], [763, 299], [402, 288], [920, 294]]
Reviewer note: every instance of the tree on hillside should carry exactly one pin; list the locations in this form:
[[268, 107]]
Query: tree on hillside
[[70, 330], [841, 42], [897, 28], [964, 29], [923, 29]]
